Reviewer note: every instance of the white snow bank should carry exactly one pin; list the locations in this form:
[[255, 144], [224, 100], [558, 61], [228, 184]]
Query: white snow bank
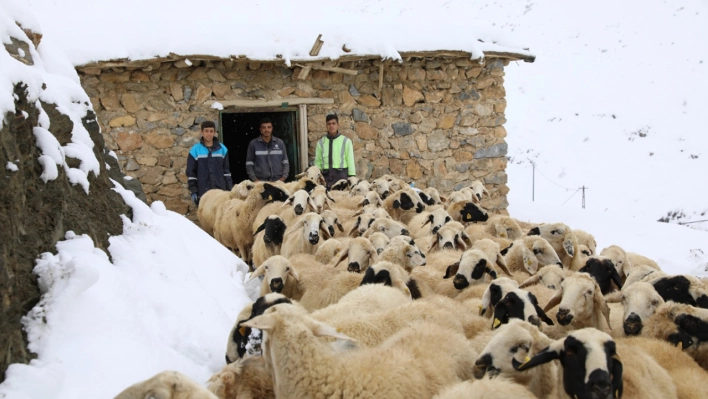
[[137, 29], [166, 300]]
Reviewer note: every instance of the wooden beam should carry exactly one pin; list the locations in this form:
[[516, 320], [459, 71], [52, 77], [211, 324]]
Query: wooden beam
[[330, 69], [304, 71], [272, 103], [302, 139], [317, 46], [381, 72]]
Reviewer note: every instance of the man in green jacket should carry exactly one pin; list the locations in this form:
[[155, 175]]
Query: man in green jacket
[[334, 153]]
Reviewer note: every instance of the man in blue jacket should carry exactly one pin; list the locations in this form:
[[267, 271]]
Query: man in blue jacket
[[208, 164], [267, 157]]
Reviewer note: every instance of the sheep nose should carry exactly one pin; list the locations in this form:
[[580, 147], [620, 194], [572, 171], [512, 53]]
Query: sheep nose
[[298, 209], [378, 251], [276, 285], [702, 301], [435, 229], [481, 366], [366, 202], [419, 208], [267, 238], [460, 282], [632, 325], [405, 232], [564, 317], [448, 245], [331, 230], [354, 267], [535, 232], [314, 238], [535, 320]]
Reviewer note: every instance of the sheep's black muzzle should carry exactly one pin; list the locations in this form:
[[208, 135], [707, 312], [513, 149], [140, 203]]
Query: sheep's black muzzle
[[483, 365], [564, 317], [405, 232], [535, 320], [276, 285], [314, 238], [448, 245], [702, 301], [419, 208], [460, 282], [435, 229], [331, 230], [632, 325], [267, 239], [535, 232], [298, 209], [599, 385], [354, 267]]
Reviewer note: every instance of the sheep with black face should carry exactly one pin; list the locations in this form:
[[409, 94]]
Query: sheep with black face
[[603, 271], [682, 289], [519, 304], [268, 239]]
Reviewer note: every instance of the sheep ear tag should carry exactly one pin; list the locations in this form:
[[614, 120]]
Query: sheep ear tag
[[270, 198]]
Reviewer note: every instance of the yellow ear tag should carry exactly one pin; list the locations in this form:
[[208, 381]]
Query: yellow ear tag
[[242, 330], [680, 345], [502, 235], [528, 359], [480, 307], [496, 323], [469, 216], [617, 393], [528, 262], [270, 198]]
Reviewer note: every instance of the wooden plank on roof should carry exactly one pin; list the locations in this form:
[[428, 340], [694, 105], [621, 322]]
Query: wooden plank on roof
[[272, 103], [330, 69], [317, 46]]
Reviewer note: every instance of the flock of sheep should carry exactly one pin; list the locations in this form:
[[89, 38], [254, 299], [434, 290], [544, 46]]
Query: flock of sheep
[[380, 290]]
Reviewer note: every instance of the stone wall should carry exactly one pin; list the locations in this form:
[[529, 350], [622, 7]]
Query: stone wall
[[436, 121]]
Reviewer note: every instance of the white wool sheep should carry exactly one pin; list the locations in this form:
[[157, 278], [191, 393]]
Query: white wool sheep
[[372, 198], [493, 252], [304, 183], [498, 388], [332, 221], [580, 304], [360, 254], [457, 196], [472, 268], [321, 199], [404, 254], [520, 304], [549, 277], [329, 250], [303, 236], [381, 187], [563, 240], [427, 223], [637, 259], [360, 188], [379, 241], [497, 226], [236, 225], [529, 254], [586, 239], [478, 189], [466, 212], [268, 239], [357, 225], [643, 273], [593, 365], [619, 258], [387, 226], [296, 205], [432, 195], [166, 385], [279, 275], [209, 205], [241, 190], [314, 173], [308, 367], [246, 378], [403, 204], [640, 301], [494, 293], [514, 344]]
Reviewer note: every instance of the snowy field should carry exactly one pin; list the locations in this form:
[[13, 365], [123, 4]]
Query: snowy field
[[614, 102]]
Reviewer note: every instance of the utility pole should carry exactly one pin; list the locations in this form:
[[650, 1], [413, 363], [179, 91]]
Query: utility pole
[[533, 182], [584, 188]]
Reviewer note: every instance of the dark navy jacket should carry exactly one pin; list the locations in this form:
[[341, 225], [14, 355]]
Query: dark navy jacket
[[208, 168], [267, 161]]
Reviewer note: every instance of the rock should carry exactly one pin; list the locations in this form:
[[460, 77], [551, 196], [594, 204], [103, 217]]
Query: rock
[[434, 97], [470, 94], [402, 128], [173, 190], [438, 141], [187, 93], [178, 131], [346, 98], [495, 151], [492, 121], [139, 76], [439, 168], [468, 131], [396, 166], [146, 161], [160, 139], [473, 73], [485, 82], [432, 65], [215, 76], [500, 132], [416, 74], [359, 115], [369, 101], [436, 75], [353, 91], [413, 170], [447, 121], [286, 91], [126, 121], [301, 93], [365, 131], [455, 89], [482, 109], [500, 107], [422, 143], [132, 102], [496, 178], [151, 175], [415, 117], [176, 90], [198, 74], [469, 120], [427, 126], [131, 165], [188, 142], [165, 161], [221, 90], [462, 167], [411, 96], [110, 101], [202, 94]]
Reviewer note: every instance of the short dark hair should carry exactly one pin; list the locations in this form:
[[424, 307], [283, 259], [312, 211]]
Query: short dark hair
[[264, 120], [207, 124], [332, 116]]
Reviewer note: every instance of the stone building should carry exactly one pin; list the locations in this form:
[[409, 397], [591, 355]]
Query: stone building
[[434, 118]]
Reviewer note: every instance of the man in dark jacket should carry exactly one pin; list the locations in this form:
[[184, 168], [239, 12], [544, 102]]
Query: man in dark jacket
[[208, 164], [267, 158]]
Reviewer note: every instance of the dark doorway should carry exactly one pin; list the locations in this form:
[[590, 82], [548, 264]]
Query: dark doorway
[[239, 127]]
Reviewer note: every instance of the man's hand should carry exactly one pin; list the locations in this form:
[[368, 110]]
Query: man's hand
[[282, 179], [257, 180], [195, 199]]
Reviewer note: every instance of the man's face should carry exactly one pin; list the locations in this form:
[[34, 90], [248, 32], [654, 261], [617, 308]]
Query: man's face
[[208, 133], [266, 130], [332, 126]]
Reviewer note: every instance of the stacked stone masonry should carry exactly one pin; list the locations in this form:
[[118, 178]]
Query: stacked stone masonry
[[436, 121]]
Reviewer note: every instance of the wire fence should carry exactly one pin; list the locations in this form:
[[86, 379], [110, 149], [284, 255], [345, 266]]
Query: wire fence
[[533, 186]]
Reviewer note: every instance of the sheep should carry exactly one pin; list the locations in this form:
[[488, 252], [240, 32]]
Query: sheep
[[329, 250], [372, 198], [379, 240], [431, 196], [497, 226], [381, 187], [404, 254], [278, 272], [209, 204], [436, 219], [478, 189], [472, 268], [619, 259], [340, 185], [493, 252], [549, 277], [643, 273], [593, 365], [303, 236], [166, 385], [304, 183], [365, 300], [236, 226], [603, 271], [512, 345], [296, 205], [640, 301], [581, 304], [457, 196], [403, 205], [246, 378], [467, 212], [637, 260], [682, 289], [313, 173], [360, 188], [450, 236], [240, 191], [562, 239], [494, 293], [498, 388], [332, 220], [307, 367], [519, 304], [269, 239], [358, 225], [529, 253], [321, 199], [586, 239], [360, 252], [387, 226]]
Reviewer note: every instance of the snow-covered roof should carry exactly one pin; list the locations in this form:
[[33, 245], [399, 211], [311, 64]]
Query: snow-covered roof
[[98, 30]]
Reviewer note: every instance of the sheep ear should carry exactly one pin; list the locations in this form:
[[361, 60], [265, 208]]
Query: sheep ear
[[601, 305], [530, 261], [352, 232], [259, 229], [258, 272], [568, 247], [339, 225], [323, 330], [359, 212], [430, 220], [396, 204], [452, 270], [311, 203], [443, 199], [555, 300], [490, 272], [466, 238], [615, 276], [294, 229], [614, 297], [328, 197], [287, 202], [293, 274], [324, 230], [263, 322], [343, 256], [501, 262], [299, 175], [530, 281], [373, 255], [433, 245], [460, 244], [549, 354]]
